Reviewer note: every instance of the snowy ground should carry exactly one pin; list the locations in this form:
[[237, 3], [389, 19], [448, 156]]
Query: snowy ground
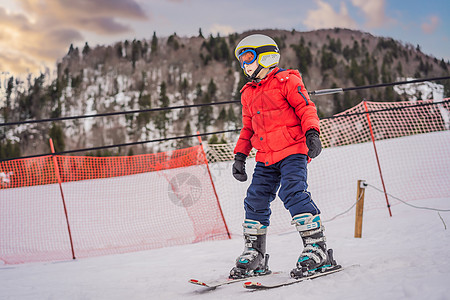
[[404, 256]]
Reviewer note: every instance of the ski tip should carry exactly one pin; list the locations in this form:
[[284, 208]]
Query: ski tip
[[251, 284], [195, 281]]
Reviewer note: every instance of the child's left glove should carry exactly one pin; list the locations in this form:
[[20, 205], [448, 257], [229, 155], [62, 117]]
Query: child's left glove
[[313, 143], [239, 167]]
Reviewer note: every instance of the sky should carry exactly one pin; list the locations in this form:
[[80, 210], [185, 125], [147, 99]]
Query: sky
[[35, 34]]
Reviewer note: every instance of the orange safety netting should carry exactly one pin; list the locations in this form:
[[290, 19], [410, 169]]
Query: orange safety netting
[[123, 204], [41, 170], [388, 120], [113, 204]]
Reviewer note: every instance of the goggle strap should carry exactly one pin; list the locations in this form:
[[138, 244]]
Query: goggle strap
[[268, 48]]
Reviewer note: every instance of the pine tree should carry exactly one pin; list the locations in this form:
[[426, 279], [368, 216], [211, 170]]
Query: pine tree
[[57, 135], [304, 55], [119, 50], [86, 49], [231, 116], [399, 69], [224, 49], [7, 107], [205, 114], [144, 102], [161, 117], [212, 89], [220, 122], [136, 52], [172, 42], [186, 142], [71, 49], [327, 60], [184, 86], [9, 149], [213, 140], [443, 64], [154, 44], [355, 73], [126, 45], [198, 93]]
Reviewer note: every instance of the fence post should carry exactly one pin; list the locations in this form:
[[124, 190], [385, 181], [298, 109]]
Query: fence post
[[55, 163], [378, 160], [213, 186], [359, 207]]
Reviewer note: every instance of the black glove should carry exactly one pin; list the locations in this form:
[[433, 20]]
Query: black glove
[[313, 143], [239, 167]]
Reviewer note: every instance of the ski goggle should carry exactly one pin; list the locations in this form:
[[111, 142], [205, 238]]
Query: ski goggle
[[247, 57]]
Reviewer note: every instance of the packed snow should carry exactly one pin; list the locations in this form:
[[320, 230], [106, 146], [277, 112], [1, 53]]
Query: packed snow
[[403, 256]]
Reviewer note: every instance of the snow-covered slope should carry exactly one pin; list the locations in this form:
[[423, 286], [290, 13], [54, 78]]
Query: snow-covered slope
[[405, 256]]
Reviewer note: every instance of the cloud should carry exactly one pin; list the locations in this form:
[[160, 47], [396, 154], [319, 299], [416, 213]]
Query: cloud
[[43, 31], [326, 17], [98, 16], [17, 63], [223, 30], [374, 12], [432, 24]]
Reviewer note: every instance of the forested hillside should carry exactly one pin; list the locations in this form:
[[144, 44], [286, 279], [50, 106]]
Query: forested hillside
[[176, 71]]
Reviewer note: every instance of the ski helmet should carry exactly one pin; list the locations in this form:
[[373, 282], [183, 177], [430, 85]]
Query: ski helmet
[[258, 47]]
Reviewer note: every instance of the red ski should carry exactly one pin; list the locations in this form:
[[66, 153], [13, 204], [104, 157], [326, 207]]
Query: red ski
[[279, 281], [225, 280]]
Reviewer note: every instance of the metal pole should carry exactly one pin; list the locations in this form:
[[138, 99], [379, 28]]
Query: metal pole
[[55, 162], [378, 160], [212, 183]]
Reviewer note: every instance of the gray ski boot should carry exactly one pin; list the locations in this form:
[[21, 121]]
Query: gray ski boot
[[315, 256], [254, 260]]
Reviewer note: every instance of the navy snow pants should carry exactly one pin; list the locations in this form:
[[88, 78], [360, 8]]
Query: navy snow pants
[[291, 174]]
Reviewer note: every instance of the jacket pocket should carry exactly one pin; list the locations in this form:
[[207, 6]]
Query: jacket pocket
[[296, 133], [279, 139], [255, 142]]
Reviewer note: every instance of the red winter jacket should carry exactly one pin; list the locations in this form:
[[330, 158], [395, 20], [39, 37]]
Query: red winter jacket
[[276, 113]]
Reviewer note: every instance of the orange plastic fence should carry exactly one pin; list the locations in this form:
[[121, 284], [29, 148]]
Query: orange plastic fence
[[41, 170], [114, 205], [123, 204], [389, 120]]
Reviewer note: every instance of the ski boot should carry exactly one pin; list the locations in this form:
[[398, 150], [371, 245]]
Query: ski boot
[[254, 260], [315, 256]]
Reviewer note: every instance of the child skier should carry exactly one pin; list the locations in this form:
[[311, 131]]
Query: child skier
[[281, 122]]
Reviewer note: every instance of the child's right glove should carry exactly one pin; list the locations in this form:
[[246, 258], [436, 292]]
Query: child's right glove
[[313, 143], [239, 167]]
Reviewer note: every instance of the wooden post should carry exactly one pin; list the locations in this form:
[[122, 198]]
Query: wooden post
[[359, 207]]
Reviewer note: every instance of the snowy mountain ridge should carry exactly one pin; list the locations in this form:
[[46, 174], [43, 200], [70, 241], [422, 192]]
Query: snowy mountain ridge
[[177, 71]]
